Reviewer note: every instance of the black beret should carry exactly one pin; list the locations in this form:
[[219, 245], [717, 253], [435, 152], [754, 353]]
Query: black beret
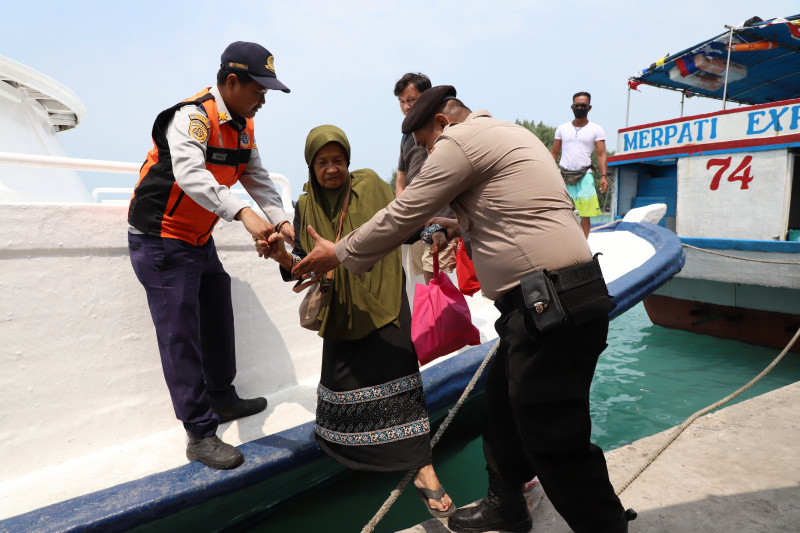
[[425, 105]]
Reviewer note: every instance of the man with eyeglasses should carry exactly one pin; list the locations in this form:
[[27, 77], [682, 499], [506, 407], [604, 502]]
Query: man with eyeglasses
[[575, 141], [408, 89]]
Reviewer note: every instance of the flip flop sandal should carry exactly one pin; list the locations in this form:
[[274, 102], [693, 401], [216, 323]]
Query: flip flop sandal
[[426, 494]]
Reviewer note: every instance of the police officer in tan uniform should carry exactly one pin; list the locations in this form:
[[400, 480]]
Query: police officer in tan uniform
[[509, 197]]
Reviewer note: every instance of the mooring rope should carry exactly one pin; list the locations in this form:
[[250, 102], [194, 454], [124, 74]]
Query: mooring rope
[[700, 413], [742, 258], [411, 473], [603, 226]]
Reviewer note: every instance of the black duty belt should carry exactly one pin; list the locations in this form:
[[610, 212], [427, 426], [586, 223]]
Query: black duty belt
[[563, 280]]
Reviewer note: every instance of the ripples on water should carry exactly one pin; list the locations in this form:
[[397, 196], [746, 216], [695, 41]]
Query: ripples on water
[[648, 380]]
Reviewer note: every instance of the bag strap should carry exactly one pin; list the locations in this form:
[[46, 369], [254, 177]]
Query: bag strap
[[302, 285], [344, 208]]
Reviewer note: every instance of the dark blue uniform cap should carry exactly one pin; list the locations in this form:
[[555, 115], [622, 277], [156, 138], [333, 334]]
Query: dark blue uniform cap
[[425, 105], [253, 60]]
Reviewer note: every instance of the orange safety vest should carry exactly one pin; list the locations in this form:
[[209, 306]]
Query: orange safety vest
[[159, 207]]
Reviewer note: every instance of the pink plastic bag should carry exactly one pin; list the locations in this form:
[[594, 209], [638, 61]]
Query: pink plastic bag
[[441, 322]]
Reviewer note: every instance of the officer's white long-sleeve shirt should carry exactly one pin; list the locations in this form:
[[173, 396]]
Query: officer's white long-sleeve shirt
[[189, 167]]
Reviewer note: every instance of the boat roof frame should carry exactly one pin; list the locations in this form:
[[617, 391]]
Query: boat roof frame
[[656, 74]]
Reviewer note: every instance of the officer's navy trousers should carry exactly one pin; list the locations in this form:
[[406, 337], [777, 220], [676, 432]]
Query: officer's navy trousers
[[189, 295], [538, 399]]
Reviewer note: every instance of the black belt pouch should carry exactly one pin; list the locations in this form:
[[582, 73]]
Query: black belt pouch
[[541, 301], [584, 295]]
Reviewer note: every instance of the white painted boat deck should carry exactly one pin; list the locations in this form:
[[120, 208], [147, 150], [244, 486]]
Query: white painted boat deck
[[81, 368]]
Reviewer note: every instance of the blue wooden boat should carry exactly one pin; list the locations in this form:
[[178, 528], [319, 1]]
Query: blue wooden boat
[[731, 181]]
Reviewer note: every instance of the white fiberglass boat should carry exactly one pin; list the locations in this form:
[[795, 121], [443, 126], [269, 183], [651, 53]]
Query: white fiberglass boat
[[89, 437]]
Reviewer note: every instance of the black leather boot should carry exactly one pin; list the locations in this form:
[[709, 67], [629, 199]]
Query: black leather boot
[[503, 508], [629, 516], [239, 409], [211, 451]]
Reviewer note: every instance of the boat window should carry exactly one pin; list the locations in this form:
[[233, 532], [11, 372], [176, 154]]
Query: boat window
[[642, 184], [794, 204]]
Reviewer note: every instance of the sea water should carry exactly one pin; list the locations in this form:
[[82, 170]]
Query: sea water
[[648, 380]]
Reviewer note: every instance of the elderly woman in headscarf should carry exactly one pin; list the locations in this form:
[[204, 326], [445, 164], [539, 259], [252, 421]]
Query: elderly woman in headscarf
[[371, 412]]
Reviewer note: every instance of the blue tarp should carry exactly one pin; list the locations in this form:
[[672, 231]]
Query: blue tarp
[[772, 74]]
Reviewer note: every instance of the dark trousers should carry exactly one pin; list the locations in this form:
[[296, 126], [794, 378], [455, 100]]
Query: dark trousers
[[539, 425], [189, 294]]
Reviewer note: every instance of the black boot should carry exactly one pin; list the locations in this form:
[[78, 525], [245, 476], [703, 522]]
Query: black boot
[[211, 451], [240, 408], [629, 516], [504, 508]]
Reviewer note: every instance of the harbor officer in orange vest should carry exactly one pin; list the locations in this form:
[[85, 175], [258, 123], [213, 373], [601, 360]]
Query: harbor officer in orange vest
[[203, 146]]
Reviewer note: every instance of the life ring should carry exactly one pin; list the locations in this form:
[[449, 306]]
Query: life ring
[[749, 47]]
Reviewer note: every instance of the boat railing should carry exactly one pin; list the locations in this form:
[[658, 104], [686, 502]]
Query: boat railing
[[127, 192], [119, 167]]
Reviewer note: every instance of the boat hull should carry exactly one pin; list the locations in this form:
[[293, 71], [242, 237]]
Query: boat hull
[[753, 326], [58, 482], [741, 290], [277, 467], [632, 274]]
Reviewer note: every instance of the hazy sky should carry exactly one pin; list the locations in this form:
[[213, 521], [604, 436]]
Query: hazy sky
[[520, 60]]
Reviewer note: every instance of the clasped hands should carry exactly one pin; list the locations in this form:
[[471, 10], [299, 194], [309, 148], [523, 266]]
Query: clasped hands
[[322, 258]]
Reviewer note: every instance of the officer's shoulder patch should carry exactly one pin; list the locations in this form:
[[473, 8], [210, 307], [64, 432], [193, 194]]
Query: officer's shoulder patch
[[198, 127], [199, 117]]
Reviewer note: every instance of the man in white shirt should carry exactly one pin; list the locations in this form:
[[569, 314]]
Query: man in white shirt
[[575, 141]]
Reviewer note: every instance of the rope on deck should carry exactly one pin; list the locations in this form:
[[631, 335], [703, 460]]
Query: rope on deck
[[700, 413], [411, 473], [742, 258]]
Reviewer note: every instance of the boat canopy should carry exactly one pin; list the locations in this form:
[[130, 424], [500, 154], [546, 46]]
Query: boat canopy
[[18, 83], [764, 64]]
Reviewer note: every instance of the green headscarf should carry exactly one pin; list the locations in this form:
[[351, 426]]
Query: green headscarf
[[357, 305]]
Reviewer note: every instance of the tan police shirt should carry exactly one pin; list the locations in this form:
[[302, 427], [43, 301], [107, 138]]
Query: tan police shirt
[[507, 193]]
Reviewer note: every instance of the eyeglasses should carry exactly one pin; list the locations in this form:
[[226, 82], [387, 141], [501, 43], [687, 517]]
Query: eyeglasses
[[580, 106]]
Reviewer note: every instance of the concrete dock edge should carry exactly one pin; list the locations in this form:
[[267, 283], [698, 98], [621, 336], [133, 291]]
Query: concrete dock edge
[[735, 469]]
